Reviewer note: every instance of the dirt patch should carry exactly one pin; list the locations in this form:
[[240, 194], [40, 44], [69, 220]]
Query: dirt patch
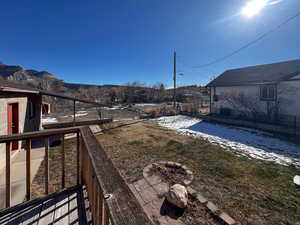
[[169, 174], [196, 213]]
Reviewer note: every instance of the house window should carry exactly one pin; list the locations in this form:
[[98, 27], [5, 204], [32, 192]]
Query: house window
[[268, 92], [31, 110], [215, 96]]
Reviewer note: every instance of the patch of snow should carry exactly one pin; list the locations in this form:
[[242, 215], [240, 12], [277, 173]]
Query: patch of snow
[[147, 104], [297, 180], [127, 119], [78, 114], [47, 120], [116, 107], [243, 141]]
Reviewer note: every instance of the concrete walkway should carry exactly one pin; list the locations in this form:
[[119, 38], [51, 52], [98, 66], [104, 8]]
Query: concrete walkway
[[18, 175]]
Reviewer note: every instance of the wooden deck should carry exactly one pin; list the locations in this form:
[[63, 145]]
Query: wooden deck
[[66, 207], [109, 198]]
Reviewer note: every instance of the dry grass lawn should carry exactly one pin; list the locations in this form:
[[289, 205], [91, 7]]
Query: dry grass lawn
[[251, 191]]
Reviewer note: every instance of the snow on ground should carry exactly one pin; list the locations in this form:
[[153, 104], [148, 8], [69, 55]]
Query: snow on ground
[[78, 114], [116, 107], [147, 104], [243, 141], [47, 120]]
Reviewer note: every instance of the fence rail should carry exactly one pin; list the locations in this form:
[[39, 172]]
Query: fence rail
[[279, 119], [111, 201]]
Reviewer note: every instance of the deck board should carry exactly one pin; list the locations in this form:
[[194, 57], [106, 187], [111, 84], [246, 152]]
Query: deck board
[[59, 208], [73, 210]]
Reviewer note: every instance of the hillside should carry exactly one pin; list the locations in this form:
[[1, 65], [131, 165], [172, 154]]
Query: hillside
[[106, 94]]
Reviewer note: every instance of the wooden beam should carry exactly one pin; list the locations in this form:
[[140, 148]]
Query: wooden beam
[[47, 165], [8, 174], [77, 123], [119, 196], [38, 134], [63, 184], [28, 169]]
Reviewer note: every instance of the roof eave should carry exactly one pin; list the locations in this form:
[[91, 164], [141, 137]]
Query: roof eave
[[17, 90], [243, 84]]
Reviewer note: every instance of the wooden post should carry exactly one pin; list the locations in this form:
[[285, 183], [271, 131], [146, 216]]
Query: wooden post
[[74, 113], [63, 161], [100, 205], [47, 165], [97, 222], [28, 169], [83, 165], [174, 79], [92, 190], [78, 150], [8, 174], [106, 215]]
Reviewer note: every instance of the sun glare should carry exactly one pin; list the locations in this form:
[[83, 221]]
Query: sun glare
[[253, 7]]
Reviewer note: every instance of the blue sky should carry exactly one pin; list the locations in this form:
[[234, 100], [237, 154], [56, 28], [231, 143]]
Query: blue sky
[[117, 41]]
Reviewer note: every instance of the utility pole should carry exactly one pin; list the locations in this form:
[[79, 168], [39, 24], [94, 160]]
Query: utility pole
[[174, 78]]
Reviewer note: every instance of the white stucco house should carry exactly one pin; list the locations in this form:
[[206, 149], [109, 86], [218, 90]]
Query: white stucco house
[[268, 92], [20, 112]]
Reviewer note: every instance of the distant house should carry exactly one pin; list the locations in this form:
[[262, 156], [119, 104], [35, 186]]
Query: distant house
[[266, 91], [20, 111]]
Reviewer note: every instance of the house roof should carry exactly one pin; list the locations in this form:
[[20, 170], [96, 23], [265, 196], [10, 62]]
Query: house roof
[[9, 86], [6, 85], [262, 74]]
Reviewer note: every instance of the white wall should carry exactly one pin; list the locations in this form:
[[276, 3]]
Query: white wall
[[289, 98], [252, 92], [26, 124], [3, 121]]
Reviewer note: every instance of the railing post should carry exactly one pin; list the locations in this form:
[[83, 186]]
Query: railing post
[[100, 206], [83, 165], [74, 113], [47, 165], [28, 169], [8, 174], [63, 161], [106, 216], [78, 150]]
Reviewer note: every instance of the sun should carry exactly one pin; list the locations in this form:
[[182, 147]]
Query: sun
[[253, 7]]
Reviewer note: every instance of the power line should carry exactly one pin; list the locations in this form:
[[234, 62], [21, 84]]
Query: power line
[[252, 42]]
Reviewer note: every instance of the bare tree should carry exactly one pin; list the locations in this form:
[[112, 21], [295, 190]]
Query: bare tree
[[246, 106]]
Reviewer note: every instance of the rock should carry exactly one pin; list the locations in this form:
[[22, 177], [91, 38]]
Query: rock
[[297, 180], [178, 196]]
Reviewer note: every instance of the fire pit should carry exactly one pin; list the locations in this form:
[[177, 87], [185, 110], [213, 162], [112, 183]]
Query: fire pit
[[168, 172]]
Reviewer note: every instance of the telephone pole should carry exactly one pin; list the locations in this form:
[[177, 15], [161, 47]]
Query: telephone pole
[[174, 78]]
